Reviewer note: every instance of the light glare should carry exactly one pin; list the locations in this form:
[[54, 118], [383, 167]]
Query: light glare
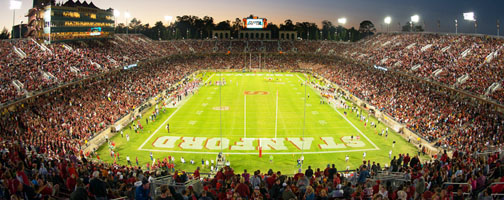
[[117, 13], [415, 18], [388, 20], [469, 16], [342, 20], [15, 5]]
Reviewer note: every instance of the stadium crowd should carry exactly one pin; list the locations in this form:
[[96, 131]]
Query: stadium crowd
[[437, 115], [29, 173], [43, 137], [443, 58]]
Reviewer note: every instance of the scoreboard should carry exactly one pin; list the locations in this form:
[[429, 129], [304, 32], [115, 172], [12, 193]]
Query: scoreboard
[[254, 23]]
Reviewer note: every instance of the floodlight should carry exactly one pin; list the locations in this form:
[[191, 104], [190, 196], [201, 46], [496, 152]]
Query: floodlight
[[469, 16], [127, 15], [15, 5], [117, 13], [168, 18], [342, 20], [388, 20], [415, 18]]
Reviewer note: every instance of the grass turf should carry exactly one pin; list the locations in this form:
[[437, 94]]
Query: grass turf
[[198, 116]]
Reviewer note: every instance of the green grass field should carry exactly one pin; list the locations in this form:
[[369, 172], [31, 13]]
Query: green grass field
[[262, 109]]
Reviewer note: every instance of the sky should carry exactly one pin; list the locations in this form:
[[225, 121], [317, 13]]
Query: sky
[[277, 11]]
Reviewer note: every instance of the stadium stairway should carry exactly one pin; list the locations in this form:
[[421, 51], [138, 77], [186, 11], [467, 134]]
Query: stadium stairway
[[461, 80], [493, 88], [190, 47], [437, 72], [67, 47], [19, 52], [42, 46]]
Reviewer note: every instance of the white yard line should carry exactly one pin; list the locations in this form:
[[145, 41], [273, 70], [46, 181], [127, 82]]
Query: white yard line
[[245, 116], [163, 124], [276, 115], [255, 153], [358, 130]]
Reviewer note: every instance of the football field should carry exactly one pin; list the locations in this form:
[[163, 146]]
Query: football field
[[271, 113]]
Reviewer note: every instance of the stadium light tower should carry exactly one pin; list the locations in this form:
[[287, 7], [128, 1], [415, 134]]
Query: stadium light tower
[[343, 21], [127, 15], [20, 30], [14, 5], [168, 19], [456, 26], [116, 15], [414, 19], [388, 20], [469, 16]]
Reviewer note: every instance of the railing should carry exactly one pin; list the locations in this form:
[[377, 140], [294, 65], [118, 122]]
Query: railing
[[460, 184], [120, 198], [496, 194]]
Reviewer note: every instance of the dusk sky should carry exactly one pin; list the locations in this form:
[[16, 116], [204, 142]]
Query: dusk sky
[[276, 11]]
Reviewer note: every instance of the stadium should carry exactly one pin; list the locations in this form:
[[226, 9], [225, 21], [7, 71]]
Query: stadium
[[188, 108]]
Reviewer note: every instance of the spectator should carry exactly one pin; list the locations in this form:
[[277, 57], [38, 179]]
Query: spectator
[[97, 187], [142, 190], [80, 192]]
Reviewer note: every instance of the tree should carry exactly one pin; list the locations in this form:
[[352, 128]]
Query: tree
[[5, 34], [237, 26], [407, 28], [120, 28], [274, 30], [341, 33], [209, 26], [328, 30], [159, 31], [224, 25], [366, 28], [353, 34], [287, 25], [135, 24]]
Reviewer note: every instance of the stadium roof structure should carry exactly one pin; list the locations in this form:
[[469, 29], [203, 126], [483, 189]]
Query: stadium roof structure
[[71, 3]]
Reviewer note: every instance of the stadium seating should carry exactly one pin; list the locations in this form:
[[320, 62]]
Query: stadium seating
[[43, 138], [471, 63]]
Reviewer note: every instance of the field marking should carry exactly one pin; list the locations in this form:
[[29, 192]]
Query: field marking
[[255, 153], [163, 124], [276, 115], [358, 130], [314, 128], [245, 116]]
